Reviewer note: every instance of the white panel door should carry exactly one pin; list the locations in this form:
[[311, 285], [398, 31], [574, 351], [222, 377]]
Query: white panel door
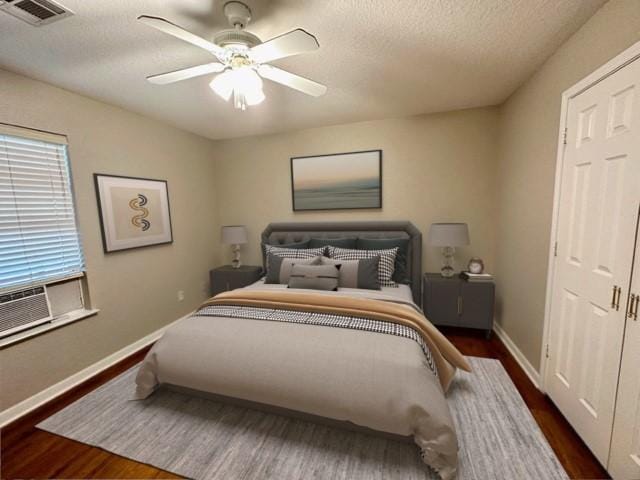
[[624, 459], [599, 199]]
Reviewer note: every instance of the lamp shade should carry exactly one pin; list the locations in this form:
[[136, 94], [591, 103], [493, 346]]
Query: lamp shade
[[448, 235], [234, 234]]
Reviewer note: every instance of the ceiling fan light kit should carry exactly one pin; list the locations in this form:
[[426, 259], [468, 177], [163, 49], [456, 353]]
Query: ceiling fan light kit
[[242, 58], [244, 83]]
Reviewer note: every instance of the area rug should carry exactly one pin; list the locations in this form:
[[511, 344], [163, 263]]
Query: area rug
[[203, 439]]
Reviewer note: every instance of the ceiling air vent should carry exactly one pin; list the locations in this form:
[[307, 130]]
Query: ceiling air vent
[[35, 12]]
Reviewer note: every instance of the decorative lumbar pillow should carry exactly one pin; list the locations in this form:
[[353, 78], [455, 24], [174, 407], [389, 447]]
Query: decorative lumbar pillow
[[296, 253], [386, 265], [333, 242], [315, 277], [357, 273], [280, 267], [401, 271]]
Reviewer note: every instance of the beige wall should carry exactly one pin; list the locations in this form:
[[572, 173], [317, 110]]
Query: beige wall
[[136, 291], [529, 123], [434, 168]]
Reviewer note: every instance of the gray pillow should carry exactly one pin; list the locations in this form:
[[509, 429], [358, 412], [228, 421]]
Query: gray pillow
[[280, 267], [357, 273], [315, 277]]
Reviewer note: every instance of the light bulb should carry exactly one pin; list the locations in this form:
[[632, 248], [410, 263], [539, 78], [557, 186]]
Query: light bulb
[[223, 84], [244, 83]]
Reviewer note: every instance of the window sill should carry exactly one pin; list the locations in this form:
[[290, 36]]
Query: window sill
[[62, 320]]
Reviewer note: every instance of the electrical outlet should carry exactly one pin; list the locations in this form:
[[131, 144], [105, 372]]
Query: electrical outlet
[[180, 295], [204, 288]]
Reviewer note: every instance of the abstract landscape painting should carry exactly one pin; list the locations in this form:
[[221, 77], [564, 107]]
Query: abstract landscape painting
[[337, 181]]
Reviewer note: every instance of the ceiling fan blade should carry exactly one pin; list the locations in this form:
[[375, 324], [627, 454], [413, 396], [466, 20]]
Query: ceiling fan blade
[[179, 32], [292, 43], [288, 79], [185, 73]]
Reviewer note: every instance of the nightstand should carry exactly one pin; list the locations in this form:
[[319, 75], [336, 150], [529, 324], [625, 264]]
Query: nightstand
[[456, 302], [227, 278]]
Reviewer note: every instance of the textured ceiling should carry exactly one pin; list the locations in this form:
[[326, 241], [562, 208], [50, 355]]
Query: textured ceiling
[[378, 58]]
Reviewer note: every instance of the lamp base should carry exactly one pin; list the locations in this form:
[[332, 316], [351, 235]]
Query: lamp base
[[447, 272], [448, 262], [235, 263]]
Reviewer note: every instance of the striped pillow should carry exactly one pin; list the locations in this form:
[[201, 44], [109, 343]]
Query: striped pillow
[[386, 266]]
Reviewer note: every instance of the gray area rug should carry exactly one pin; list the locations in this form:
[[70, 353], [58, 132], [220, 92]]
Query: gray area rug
[[203, 439]]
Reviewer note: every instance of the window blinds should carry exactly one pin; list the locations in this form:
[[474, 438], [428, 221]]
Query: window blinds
[[39, 239]]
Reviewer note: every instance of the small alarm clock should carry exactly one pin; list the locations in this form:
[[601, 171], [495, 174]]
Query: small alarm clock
[[476, 265]]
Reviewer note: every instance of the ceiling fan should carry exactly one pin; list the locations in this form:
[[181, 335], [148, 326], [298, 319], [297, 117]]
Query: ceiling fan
[[242, 58]]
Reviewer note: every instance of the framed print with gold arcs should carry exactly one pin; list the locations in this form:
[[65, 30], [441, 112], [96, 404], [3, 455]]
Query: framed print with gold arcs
[[134, 212]]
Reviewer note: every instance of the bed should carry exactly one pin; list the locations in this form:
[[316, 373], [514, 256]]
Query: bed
[[358, 358]]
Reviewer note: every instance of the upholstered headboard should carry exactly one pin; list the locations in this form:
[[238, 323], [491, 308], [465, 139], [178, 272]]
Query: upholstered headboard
[[290, 232]]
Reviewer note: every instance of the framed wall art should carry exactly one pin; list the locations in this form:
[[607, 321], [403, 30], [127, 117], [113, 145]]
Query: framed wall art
[[337, 181], [134, 212]]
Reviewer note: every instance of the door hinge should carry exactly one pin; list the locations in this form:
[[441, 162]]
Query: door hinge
[[564, 136], [555, 249], [546, 353]]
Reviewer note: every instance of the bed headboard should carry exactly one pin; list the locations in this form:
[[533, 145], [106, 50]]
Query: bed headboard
[[290, 232]]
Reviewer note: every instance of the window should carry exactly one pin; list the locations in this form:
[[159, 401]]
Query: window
[[39, 240]]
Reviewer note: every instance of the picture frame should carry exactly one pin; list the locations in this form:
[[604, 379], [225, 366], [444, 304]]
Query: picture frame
[[134, 212], [337, 181]]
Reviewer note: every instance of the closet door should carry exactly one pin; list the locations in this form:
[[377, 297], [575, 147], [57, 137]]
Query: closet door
[[624, 460], [599, 199]]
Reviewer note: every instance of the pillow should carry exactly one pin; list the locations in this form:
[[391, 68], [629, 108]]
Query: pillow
[[315, 277], [385, 267], [357, 273], [303, 244], [333, 242], [297, 253], [280, 267], [401, 272], [296, 245]]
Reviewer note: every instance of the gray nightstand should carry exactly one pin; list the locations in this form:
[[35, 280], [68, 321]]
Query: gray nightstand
[[228, 278], [458, 303]]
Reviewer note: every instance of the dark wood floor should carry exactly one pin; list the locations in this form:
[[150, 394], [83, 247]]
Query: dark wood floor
[[27, 452]]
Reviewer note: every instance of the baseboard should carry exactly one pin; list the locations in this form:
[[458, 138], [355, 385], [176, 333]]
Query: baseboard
[[531, 372], [20, 409]]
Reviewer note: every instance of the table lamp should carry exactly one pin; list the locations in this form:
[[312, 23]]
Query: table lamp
[[448, 236], [234, 235]]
